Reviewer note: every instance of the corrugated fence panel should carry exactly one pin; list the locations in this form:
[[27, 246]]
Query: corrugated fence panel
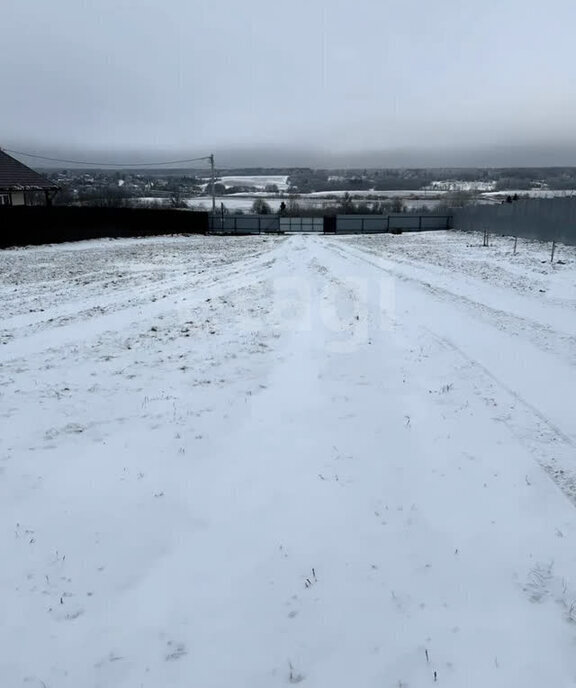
[[244, 224], [301, 224], [341, 224], [546, 219], [435, 222], [404, 222], [415, 223], [373, 224], [355, 224], [269, 223]]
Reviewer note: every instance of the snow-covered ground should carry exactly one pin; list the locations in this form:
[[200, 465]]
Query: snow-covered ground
[[387, 193], [412, 199], [261, 461], [233, 202], [314, 201], [533, 193], [259, 181]]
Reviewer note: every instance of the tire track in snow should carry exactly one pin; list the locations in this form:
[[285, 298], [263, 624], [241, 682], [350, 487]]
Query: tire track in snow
[[126, 298], [210, 286], [562, 472], [552, 447], [540, 334]]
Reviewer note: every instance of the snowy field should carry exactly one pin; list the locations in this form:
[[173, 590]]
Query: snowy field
[[234, 202], [257, 462], [259, 181], [533, 193]]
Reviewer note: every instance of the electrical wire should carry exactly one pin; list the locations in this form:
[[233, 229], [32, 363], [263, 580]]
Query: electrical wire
[[107, 164]]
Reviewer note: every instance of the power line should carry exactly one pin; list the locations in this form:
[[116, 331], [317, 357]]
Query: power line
[[107, 164], [128, 164]]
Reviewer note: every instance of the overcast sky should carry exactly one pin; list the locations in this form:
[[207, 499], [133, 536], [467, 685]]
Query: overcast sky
[[292, 82]]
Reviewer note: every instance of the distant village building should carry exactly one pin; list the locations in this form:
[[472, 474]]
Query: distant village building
[[19, 184], [459, 185]]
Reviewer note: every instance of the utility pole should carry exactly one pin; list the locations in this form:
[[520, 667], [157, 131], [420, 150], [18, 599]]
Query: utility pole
[[213, 183]]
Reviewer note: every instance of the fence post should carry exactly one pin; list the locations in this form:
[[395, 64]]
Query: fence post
[[515, 244], [553, 250]]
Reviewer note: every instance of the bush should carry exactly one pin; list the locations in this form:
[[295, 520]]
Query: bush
[[260, 207]]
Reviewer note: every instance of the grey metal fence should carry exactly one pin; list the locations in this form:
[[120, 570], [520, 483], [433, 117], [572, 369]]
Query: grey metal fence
[[301, 224], [547, 219], [375, 224], [341, 224], [244, 224]]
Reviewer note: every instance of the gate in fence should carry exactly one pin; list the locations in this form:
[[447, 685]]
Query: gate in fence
[[301, 224], [339, 224]]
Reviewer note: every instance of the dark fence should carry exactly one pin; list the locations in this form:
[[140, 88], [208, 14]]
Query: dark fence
[[244, 224], [339, 224], [547, 219], [262, 224], [378, 224], [301, 224], [24, 225]]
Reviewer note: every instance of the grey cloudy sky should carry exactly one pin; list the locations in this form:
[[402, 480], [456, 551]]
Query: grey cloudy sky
[[292, 82]]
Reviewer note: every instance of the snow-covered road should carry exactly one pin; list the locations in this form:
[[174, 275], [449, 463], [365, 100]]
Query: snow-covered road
[[254, 462]]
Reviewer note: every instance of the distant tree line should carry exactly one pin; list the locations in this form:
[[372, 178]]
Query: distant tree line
[[294, 206], [171, 189], [308, 180]]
